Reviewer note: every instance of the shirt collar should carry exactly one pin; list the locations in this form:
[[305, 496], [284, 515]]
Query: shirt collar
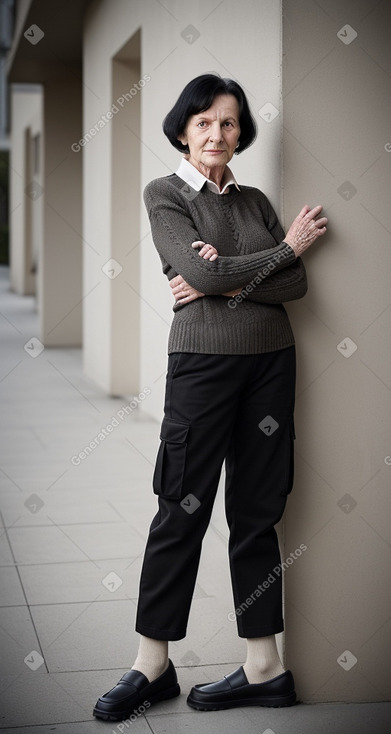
[[192, 176]]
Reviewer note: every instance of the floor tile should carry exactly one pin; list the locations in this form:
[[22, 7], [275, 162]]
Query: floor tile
[[324, 718], [18, 641], [204, 722], [11, 593], [87, 636], [34, 699], [44, 545], [58, 583], [50, 507], [5, 550], [104, 541]]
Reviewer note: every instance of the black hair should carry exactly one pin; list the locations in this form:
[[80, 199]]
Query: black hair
[[197, 96]]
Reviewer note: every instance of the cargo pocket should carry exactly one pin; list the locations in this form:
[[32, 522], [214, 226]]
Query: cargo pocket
[[290, 458], [171, 459]]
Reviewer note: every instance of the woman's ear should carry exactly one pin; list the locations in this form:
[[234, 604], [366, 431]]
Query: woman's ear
[[183, 138]]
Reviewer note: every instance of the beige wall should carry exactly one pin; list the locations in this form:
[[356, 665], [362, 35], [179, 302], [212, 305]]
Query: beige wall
[[337, 111], [170, 61], [25, 206]]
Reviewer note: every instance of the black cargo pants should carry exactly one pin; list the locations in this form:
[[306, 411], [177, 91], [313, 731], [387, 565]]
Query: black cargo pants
[[237, 408]]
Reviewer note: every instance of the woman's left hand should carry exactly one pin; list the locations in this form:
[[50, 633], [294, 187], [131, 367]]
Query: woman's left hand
[[208, 252], [182, 291]]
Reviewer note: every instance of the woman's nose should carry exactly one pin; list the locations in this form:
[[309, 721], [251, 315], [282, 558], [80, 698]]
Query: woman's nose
[[215, 133]]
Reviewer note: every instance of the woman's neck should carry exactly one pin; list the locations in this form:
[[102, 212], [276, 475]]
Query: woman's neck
[[215, 174]]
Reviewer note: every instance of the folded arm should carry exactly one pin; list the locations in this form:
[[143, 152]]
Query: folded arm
[[173, 232], [285, 285]]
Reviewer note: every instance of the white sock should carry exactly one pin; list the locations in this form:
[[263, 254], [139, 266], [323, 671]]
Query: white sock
[[263, 661], [152, 657]]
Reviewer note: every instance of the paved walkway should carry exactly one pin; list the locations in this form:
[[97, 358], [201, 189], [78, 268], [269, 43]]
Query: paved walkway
[[74, 524]]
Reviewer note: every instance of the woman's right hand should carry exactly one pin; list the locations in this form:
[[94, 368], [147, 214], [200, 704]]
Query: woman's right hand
[[182, 291], [305, 229]]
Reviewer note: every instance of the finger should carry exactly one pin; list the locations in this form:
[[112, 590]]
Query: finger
[[321, 222], [314, 212], [209, 255], [206, 251], [203, 250], [197, 243], [181, 288], [184, 300], [182, 294], [303, 212]]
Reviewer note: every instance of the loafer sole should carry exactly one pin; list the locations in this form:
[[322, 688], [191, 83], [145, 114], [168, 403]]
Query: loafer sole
[[269, 701], [126, 713]]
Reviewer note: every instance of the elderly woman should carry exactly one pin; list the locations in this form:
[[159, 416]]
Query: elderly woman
[[230, 392]]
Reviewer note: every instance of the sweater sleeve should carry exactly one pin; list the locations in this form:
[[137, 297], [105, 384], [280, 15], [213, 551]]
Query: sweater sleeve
[[288, 284], [173, 231]]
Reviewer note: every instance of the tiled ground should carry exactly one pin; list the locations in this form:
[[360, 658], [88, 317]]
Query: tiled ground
[[66, 634]]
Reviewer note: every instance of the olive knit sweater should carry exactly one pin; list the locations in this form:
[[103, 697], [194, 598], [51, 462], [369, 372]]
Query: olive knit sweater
[[244, 228]]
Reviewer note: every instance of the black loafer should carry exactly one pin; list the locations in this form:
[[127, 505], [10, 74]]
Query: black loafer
[[234, 690], [134, 691]]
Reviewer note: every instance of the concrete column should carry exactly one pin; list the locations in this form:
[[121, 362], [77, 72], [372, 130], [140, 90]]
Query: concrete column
[[112, 201], [60, 260], [26, 201], [337, 107], [125, 230]]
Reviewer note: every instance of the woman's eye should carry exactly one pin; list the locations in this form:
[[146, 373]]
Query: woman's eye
[[203, 124]]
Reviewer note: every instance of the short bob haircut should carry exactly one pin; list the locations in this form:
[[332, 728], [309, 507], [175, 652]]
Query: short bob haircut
[[197, 96]]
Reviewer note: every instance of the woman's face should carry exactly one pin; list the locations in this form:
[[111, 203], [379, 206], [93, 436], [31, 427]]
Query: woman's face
[[212, 135]]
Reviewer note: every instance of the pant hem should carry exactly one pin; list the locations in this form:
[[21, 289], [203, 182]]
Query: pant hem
[[155, 634], [261, 631]]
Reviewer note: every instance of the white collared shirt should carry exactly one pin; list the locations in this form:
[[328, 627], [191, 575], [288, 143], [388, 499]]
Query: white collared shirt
[[192, 176]]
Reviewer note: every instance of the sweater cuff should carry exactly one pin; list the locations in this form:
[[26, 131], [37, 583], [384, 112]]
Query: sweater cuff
[[290, 251]]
